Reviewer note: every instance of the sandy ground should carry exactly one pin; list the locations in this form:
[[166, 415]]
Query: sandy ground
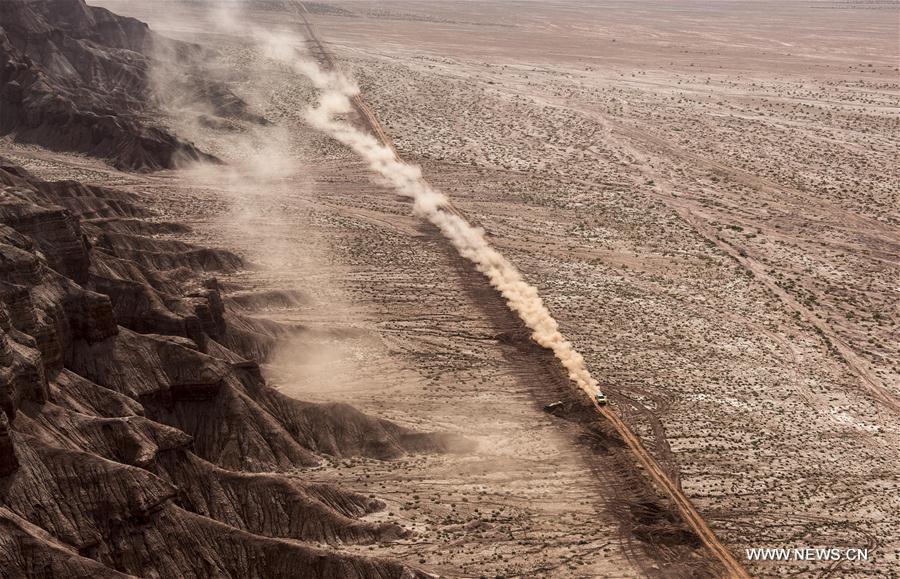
[[706, 197]]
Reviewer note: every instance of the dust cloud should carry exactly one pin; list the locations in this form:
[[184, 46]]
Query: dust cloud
[[266, 185], [261, 173], [336, 92]]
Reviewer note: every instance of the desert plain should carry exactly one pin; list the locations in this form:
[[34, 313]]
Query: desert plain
[[706, 196]]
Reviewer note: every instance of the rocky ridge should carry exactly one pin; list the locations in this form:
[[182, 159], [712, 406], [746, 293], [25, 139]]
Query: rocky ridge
[[78, 78], [137, 435]]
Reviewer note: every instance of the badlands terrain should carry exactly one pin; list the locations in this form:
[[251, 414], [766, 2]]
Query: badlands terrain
[[704, 193]]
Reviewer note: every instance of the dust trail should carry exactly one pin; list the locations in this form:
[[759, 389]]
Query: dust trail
[[406, 179]]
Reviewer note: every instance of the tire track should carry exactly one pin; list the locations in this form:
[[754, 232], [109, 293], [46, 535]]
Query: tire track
[[840, 348], [654, 470], [684, 505]]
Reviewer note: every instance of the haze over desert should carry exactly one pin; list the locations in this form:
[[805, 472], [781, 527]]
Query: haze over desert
[[421, 288]]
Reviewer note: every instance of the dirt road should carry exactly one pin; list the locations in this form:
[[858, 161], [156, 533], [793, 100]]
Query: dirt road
[[658, 474], [687, 509]]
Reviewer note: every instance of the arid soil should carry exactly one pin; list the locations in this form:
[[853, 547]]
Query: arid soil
[[706, 198]]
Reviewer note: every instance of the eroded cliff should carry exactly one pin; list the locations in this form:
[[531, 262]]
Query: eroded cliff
[[136, 437]]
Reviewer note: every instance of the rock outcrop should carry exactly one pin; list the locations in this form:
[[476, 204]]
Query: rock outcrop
[[133, 440], [76, 78]]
